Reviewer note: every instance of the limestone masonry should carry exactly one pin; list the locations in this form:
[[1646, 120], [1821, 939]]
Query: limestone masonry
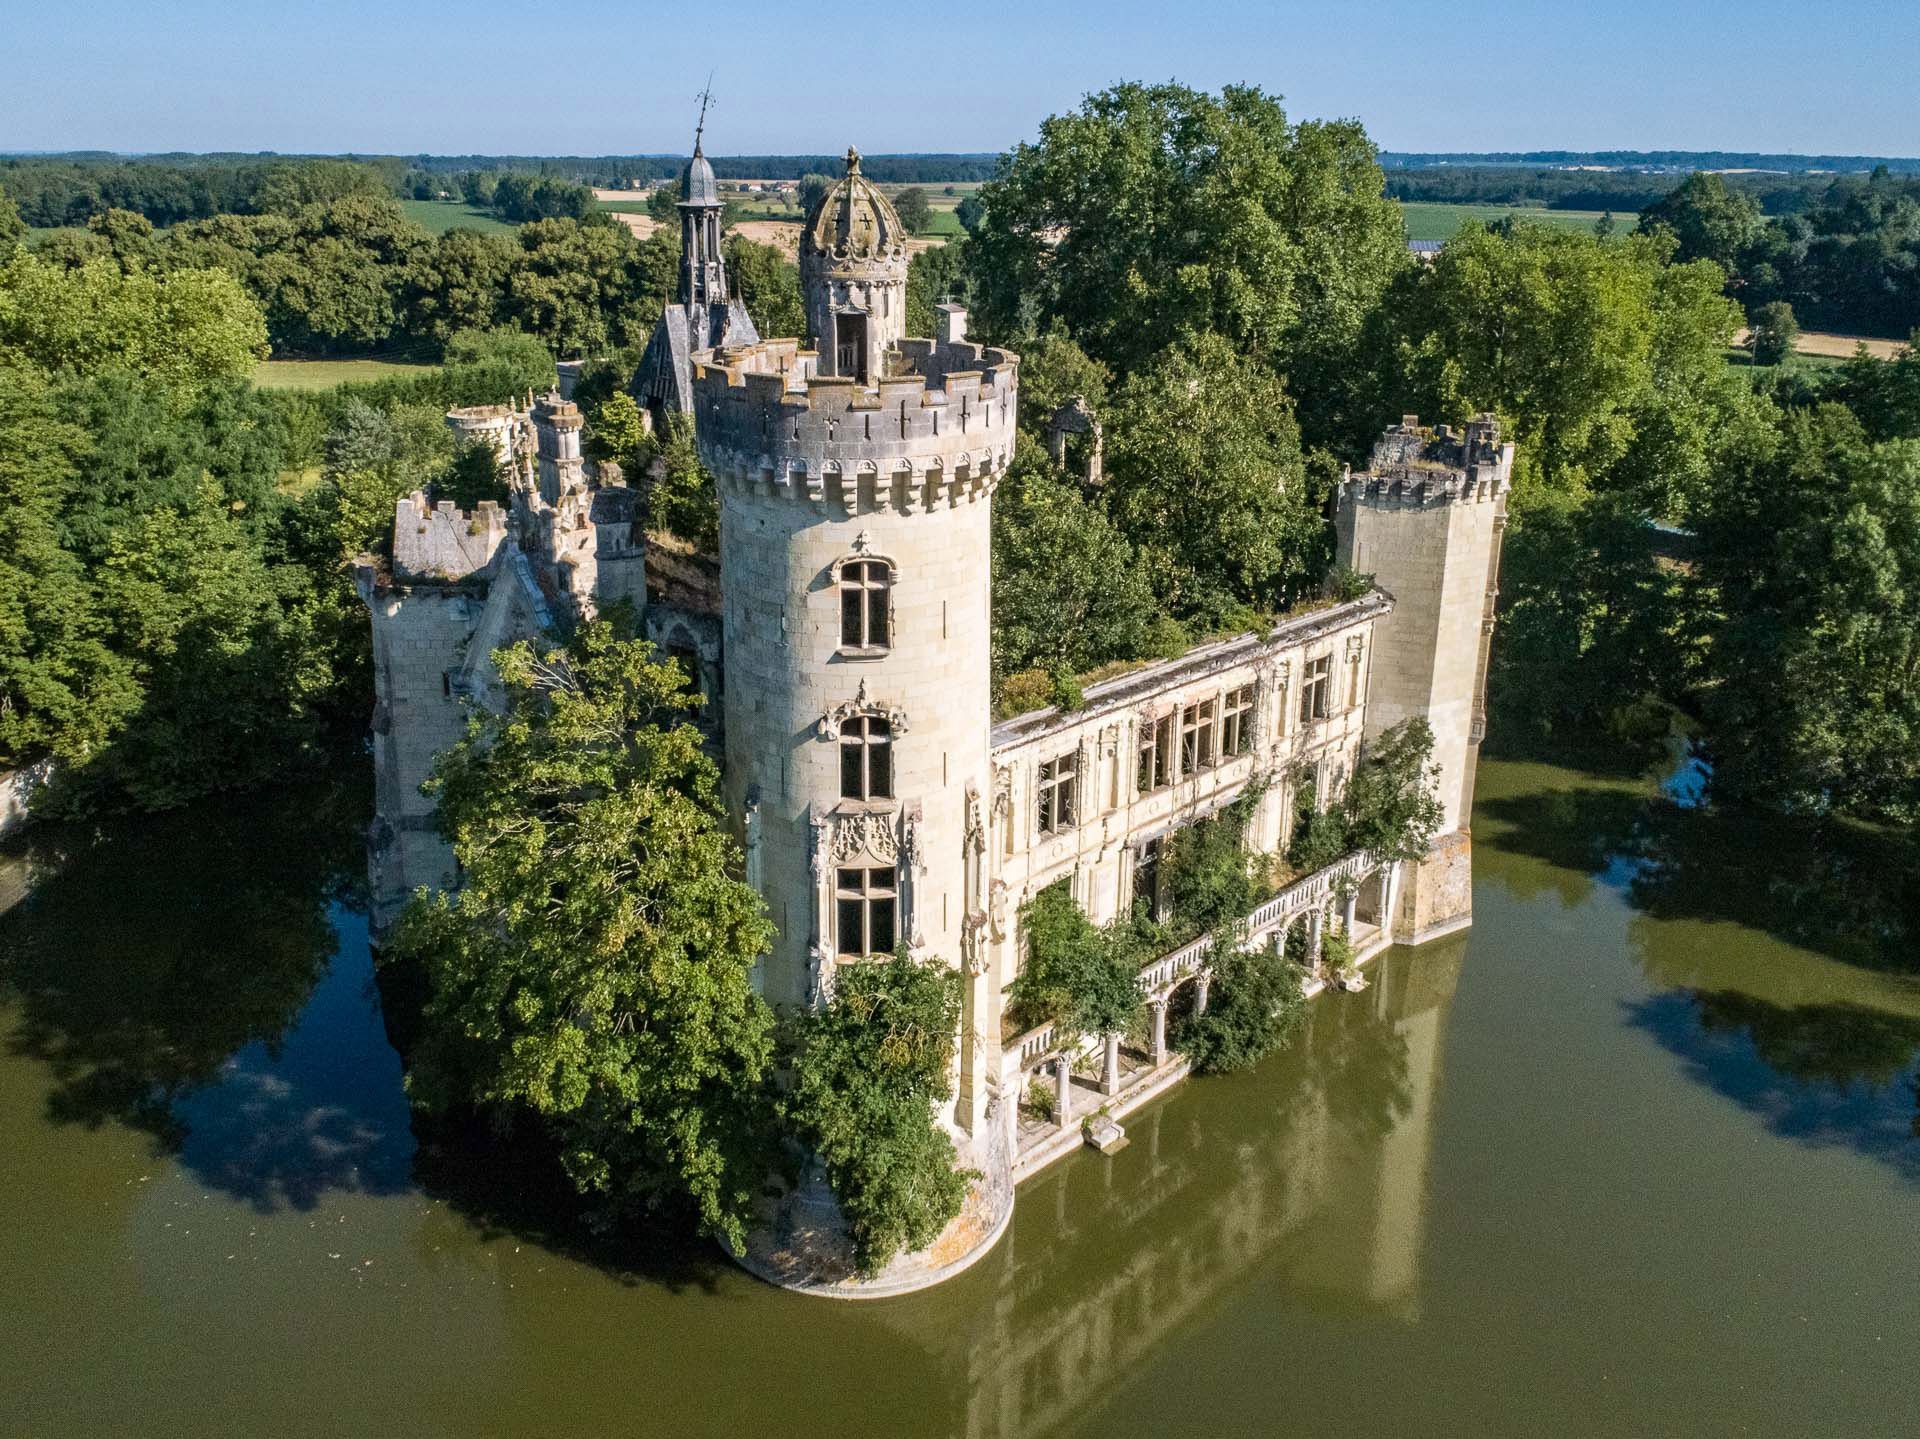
[[844, 639]]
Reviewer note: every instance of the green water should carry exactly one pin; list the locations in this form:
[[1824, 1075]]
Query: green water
[[1634, 1156]]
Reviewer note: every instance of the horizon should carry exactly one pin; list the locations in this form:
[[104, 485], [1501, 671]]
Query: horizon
[[1487, 77]]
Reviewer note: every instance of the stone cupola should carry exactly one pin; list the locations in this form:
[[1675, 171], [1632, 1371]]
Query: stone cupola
[[853, 269]]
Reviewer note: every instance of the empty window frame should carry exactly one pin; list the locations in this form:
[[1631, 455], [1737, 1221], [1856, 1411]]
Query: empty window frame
[[866, 588], [1156, 753], [866, 902], [1236, 722], [1146, 876], [1316, 689], [1053, 795], [866, 758], [1196, 737]]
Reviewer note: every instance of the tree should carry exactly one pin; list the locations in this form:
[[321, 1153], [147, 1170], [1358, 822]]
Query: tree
[[1709, 219], [682, 499], [1254, 1005], [768, 284], [1773, 332], [459, 284], [663, 204], [595, 968], [914, 211], [13, 230], [577, 286], [1067, 591], [971, 212], [813, 189], [1812, 549], [1157, 213], [1207, 482], [187, 328], [869, 1069], [63, 689], [1391, 809], [1076, 976], [934, 276]]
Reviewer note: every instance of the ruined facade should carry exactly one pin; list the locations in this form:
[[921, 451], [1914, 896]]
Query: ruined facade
[[845, 634]]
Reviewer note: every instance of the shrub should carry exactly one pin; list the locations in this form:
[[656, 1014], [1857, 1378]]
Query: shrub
[[869, 1070], [1077, 976], [1023, 691], [1254, 1005]]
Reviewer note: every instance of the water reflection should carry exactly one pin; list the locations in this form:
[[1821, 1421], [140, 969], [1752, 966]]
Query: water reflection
[[157, 969], [1786, 955], [1309, 1174]]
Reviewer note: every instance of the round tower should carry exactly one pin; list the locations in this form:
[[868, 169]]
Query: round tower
[[853, 270]]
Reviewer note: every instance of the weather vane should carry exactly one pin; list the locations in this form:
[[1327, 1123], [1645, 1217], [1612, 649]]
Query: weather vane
[[706, 98]]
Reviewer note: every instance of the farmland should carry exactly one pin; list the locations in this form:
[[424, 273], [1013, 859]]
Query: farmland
[[436, 217], [1442, 222]]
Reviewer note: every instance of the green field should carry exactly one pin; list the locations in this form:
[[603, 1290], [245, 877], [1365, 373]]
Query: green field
[[325, 374], [437, 217], [1441, 222]]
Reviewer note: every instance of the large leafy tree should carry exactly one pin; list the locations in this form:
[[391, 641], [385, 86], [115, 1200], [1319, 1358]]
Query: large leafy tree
[[1813, 551], [869, 1069], [768, 284], [1208, 483], [1156, 212], [1709, 218], [185, 329], [594, 970]]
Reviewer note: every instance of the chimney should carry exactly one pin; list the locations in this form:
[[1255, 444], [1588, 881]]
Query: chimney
[[952, 323]]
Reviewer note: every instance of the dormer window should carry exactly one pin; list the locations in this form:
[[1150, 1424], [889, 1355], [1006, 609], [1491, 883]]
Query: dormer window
[[866, 591]]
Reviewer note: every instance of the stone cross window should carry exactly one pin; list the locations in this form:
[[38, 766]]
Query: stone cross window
[[1054, 795], [866, 903], [1236, 722], [1316, 686], [1156, 753], [1196, 737], [866, 758], [866, 589]]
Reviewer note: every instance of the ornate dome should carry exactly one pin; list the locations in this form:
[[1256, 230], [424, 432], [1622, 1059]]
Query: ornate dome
[[697, 185], [854, 220]]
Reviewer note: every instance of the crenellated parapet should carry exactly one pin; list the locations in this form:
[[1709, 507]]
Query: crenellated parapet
[[1419, 465], [937, 429], [443, 542]]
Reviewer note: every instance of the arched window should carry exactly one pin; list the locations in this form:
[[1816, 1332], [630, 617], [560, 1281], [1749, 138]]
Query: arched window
[[866, 758], [866, 588]]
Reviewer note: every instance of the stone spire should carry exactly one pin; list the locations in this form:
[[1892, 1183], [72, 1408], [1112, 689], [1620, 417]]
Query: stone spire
[[703, 275]]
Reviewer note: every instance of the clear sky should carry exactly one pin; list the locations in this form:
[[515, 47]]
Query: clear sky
[[587, 77]]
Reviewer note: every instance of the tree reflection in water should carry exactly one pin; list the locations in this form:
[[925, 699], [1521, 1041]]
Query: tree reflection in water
[[1787, 950], [158, 967]]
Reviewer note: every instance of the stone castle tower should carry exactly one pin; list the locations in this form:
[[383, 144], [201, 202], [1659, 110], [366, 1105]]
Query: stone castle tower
[[1426, 521]]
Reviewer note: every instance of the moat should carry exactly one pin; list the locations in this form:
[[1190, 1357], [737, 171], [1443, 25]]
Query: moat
[[1636, 1154]]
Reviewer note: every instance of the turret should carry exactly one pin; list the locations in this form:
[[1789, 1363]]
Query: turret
[[853, 272], [1425, 519]]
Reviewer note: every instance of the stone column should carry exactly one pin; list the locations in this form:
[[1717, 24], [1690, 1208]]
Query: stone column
[[1159, 1010], [1347, 912], [1110, 1075], [1316, 922], [1063, 1091], [1200, 993], [1390, 897]]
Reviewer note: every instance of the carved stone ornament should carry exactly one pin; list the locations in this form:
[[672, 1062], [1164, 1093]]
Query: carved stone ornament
[[1354, 646], [997, 908], [976, 836], [973, 944], [818, 848], [913, 845], [860, 704], [819, 976], [867, 832]]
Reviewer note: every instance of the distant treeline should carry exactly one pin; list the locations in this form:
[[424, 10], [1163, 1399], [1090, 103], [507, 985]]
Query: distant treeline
[[56, 190], [1679, 162]]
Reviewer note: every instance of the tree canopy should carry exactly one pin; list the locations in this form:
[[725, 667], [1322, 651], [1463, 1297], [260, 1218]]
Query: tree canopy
[[594, 968]]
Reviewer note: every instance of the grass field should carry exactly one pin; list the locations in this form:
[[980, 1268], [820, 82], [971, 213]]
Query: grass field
[[436, 217], [325, 374], [1441, 222]]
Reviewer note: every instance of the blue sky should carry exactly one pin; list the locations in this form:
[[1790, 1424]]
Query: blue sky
[[592, 78]]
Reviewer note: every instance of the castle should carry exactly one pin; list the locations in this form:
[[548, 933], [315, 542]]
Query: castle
[[845, 635]]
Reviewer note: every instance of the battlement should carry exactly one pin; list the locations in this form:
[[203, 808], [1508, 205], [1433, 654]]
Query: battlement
[[768, 421], [443, 542], [1414, 464]]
